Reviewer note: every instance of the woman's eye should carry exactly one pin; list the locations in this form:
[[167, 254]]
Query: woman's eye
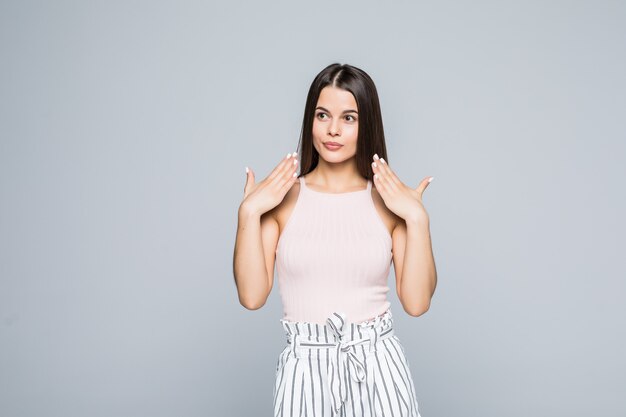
[[349, 117]]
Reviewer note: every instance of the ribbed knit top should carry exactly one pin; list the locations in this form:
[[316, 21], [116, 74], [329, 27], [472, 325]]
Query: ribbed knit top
[[333, 255]]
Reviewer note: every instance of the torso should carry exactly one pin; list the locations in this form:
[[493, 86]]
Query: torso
[[297, 271]]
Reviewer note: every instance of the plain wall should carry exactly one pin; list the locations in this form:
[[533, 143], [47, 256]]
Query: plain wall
[[125, 128]]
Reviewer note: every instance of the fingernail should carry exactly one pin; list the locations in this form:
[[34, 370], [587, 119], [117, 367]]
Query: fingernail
[[247, 170], [382, 160], [374, 164], [376, 156], [288, 155], [295, 153], [431, 178]]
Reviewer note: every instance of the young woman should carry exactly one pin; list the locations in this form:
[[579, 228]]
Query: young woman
[[333, 232]]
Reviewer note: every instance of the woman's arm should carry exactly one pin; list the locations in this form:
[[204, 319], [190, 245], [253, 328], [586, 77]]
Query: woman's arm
[[416, 275], [253, 260], [257, 232]]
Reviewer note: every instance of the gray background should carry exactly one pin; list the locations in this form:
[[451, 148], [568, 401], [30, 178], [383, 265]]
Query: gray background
[[125, 129]]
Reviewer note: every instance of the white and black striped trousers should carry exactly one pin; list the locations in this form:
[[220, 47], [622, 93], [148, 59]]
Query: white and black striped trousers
[[343, 369]]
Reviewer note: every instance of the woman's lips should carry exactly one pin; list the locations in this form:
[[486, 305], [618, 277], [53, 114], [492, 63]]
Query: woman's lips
[[332, 146]]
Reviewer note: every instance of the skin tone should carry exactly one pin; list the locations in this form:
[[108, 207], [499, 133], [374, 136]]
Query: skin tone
[[267, 205]]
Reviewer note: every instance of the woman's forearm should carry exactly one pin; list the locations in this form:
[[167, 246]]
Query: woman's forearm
[[419, 275]]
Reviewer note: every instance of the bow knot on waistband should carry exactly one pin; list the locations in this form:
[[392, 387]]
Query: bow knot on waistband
[[341, 358]]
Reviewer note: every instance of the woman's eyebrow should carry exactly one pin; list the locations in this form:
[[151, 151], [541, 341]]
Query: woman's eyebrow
[[345, 111]]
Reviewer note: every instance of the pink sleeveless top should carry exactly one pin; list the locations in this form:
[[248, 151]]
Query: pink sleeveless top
[[333, 255]]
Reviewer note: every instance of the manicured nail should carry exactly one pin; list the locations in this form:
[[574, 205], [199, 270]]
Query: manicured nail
[[288, 155], [383, 160], [376, 156], [431, 178], [295, 161], [376, 176], [295, 174], [374, 164], [247, 170], [295, 153]]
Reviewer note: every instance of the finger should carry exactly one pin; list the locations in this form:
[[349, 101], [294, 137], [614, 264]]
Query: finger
[[423, 185], [382, 190], [288, 173], [290, 166], [389, 174], [281, 166], [249, 180], [381, 185], [382, 175]]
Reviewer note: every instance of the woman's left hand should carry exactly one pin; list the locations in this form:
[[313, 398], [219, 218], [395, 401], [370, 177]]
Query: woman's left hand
[[404, 201]]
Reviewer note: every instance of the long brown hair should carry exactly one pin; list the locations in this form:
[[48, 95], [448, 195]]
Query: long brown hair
[[371, 137]]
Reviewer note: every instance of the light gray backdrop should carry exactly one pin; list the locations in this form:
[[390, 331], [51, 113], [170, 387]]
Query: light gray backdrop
[[125, 129]]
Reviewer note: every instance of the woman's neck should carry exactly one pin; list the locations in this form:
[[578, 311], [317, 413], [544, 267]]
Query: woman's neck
[[336, 179]]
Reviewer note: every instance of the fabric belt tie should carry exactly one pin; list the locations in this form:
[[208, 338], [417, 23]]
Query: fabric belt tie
[[342, 358]]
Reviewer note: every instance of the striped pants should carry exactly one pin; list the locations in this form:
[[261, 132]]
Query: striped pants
[[343, 369]]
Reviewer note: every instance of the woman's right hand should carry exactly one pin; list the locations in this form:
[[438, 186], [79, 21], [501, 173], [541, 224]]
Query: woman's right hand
[[267, 194]]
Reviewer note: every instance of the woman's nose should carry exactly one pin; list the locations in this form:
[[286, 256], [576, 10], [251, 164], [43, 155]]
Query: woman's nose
[[333, 129]]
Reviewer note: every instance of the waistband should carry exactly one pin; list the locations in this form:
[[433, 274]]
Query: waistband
[[341, 338], [337, 329]]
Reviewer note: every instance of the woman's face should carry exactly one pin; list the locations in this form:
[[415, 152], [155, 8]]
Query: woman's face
[[336, 120]]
